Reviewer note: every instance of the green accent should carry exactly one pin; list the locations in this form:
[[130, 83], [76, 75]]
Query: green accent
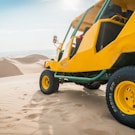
[[60, 55], [81, 79], [100, 14], [80, 21], [67, 33], [102, 10]]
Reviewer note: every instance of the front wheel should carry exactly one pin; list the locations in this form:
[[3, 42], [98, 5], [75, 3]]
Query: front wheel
[[48, 84], [120, 96]]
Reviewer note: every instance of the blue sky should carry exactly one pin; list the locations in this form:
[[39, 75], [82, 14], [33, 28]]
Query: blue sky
[[31, 24]]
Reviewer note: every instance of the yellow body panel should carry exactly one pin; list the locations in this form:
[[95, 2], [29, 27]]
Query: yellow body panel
[[87, 59]]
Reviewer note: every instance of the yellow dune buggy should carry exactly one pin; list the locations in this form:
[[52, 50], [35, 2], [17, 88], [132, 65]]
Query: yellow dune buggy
[[105, 53]]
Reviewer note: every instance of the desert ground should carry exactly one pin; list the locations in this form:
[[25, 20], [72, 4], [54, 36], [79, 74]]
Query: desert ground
[[24, 110]]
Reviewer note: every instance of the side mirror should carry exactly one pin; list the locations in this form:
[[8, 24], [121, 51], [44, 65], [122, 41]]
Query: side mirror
[[55, 39]]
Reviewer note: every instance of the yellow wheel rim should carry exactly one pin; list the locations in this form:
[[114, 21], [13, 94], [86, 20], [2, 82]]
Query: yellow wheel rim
[[124, 96], [45, 82]]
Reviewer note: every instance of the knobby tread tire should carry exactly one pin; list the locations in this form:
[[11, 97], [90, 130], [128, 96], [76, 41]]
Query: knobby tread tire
[[54, 82], [123, 74]]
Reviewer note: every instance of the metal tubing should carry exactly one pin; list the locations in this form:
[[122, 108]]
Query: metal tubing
[[67, 33], [81, 79], [80, 21], [102, 10]]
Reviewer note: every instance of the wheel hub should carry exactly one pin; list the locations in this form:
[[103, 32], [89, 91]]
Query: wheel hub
[[45, 82], [124, 96]]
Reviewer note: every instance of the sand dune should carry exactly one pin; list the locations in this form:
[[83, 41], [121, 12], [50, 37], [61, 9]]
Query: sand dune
[[21, 65], [31, 58], [24, 110], [8, 69]]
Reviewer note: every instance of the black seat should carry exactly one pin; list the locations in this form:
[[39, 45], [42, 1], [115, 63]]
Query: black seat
[[112, 10], [108, 32], [127, 14]]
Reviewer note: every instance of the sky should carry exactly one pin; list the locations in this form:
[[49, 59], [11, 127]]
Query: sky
[[31, 24]]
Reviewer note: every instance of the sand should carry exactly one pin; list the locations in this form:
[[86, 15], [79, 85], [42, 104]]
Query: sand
[[24, 110]]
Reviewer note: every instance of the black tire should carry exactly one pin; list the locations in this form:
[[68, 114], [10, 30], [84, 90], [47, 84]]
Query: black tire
[[118, 82], [93, 86], [48, 84]]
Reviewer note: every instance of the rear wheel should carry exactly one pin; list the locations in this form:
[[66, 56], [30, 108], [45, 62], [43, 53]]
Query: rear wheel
[[120, 96], [48, 84]]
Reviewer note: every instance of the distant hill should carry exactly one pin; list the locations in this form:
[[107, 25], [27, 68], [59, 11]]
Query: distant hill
[[31, 58]]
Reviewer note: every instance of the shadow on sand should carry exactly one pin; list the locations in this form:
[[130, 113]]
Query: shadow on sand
[[77, 112]]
